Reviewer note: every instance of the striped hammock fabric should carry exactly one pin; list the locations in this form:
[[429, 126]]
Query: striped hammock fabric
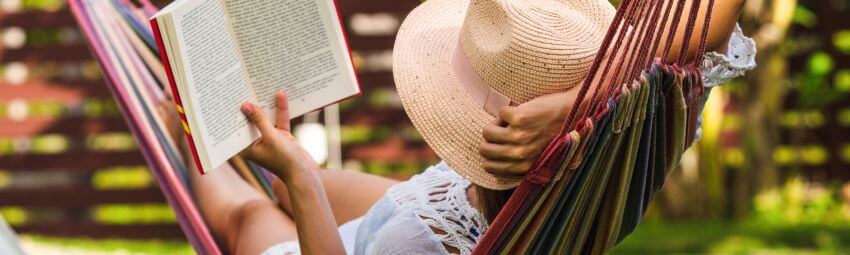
[[121, 39], [594, 182], [588, 191]]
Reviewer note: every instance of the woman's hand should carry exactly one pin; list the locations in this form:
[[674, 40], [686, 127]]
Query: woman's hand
[[277, 150], [514, 141]]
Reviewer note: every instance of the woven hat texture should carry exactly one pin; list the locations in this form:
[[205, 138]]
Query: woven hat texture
[[522, 49]]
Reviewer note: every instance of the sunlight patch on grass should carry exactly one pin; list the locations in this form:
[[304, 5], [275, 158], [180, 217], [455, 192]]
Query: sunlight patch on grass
[[104, 246]]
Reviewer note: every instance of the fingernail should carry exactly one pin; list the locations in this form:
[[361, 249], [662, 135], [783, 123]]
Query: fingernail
[[247, 109]]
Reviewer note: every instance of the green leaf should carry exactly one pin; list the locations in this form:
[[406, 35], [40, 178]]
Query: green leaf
[[805, 17], [841, 39], [820, 63]]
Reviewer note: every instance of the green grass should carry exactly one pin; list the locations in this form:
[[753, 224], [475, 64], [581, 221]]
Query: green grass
[[117, 246], [731, 238], [650, 238]]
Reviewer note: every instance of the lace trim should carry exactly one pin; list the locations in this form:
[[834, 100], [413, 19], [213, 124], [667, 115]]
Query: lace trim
[[438, 196], [740, 57]]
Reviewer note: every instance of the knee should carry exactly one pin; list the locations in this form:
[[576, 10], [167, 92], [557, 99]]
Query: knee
[[242, 214], [249, 209]]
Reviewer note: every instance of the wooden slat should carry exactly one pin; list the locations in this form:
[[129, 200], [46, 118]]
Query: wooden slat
[[393, 149], [371, 42], [94, 230], [347, 7], [76, 197], [37, 19], [370, 80], [70, 161], [66, 92], [47, 53], [790, 102], [823, 135], [67, 126], [818, 173], [374, 117]]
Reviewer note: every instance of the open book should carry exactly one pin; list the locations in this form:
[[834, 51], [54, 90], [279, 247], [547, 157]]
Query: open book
[[219, 54]]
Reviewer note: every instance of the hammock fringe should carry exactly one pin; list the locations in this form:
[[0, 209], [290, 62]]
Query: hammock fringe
[[595, 180]]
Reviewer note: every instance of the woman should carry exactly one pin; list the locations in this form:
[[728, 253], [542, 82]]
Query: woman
[[487, 84]]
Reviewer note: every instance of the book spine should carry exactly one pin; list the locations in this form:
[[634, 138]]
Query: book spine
[[175, 94], [347, 48]]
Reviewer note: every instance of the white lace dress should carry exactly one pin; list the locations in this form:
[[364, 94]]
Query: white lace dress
[[425, 215], [718, 69], [740, 57], [431, 212]]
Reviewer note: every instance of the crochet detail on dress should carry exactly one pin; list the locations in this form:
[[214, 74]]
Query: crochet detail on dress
[[718, 69], [438, 197]]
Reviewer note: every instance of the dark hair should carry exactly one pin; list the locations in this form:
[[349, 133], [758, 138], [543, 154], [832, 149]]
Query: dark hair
[[490, 202]]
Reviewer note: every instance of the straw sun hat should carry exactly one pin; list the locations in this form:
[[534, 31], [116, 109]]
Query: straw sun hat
[[456, 62]]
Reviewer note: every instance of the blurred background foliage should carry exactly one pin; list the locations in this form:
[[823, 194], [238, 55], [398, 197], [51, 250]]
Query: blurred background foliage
[[771, 174]]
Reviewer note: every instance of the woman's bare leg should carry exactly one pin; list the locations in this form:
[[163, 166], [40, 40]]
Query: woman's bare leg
[[350, 193], [240, 217]]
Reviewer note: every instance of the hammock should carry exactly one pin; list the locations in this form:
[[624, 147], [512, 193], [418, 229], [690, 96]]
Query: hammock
[[121, 39], [590, 188], [595, 180]]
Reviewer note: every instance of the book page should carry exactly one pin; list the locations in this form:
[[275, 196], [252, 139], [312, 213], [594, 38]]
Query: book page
[[217, 83], [295, 46]]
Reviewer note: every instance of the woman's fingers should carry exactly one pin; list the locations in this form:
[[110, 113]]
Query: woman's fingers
[[509, 115], [497, 133], [506, 168], [256, 116], [282, 112], [507, 135], [495, 151], [508, 160]]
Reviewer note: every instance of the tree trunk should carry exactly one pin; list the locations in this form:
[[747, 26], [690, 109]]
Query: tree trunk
[[761, 102]]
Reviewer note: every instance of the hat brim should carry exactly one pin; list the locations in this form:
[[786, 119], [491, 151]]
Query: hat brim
[[450, 120]]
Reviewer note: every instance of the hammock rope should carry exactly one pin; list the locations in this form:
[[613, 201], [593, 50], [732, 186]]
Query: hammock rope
[[594, 181]]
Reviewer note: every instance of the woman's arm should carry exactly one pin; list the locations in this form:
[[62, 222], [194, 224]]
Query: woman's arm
[[514, 142], [278, 151], [724, 16], [350, 193]]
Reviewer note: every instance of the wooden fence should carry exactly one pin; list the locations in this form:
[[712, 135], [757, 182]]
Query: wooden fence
[[61, 136], [68, 165]]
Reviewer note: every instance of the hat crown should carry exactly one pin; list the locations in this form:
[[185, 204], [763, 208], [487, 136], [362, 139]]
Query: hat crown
[[528, 48]]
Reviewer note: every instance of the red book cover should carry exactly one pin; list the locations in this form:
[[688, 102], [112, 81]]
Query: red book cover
[[175, 94]]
